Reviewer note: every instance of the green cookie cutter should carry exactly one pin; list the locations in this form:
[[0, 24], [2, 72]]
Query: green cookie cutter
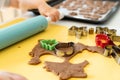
[[48, 44]]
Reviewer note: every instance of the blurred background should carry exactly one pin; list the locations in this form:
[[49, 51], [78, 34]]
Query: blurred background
[[7, 14]]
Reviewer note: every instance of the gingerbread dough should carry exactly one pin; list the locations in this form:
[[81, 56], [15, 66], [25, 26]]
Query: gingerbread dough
[[38, 51], [66, 70]]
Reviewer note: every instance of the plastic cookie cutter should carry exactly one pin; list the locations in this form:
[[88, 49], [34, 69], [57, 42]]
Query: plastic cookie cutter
[[103, 40], [64, 49], [48, 44], [116, 53]]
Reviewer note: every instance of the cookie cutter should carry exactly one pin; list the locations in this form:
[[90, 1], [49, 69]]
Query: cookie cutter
[[72, 30], [91, 30], [114, 51], [84, 33], [112, 31], [64, 49], [119, 46], [106, 29], [78, 34], [110, 36], [116, 54], [108, 50], [98, 30], [116, 38], [102, 40], [83, 30], [48, 44]]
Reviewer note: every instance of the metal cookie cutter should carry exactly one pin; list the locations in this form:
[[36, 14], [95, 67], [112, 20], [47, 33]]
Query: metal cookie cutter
[[116, 54], [78, 34], [110, 36], [116, 38], [100, 30], [97, 29], [91, 30], [81, 31], [84, 31], [108, 50], [112, 31], [105, 29], [64, 49], [72, 30], [119, 46]]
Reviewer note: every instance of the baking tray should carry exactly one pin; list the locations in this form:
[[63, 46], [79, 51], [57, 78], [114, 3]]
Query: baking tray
[[104, 17]]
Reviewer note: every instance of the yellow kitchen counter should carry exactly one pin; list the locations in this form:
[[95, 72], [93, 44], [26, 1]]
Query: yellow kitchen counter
[[15, 58]]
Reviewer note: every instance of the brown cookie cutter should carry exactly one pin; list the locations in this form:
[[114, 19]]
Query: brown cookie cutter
[[64, 49]]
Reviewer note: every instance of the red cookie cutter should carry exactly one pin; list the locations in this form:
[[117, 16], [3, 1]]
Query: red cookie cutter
[[103, 40]]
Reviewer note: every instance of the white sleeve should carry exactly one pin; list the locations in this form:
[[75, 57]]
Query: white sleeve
[[5, 3]]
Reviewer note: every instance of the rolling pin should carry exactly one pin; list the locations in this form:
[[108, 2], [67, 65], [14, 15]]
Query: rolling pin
[[23, 30]]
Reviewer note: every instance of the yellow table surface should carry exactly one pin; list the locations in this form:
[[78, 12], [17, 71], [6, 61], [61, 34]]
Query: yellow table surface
[[15, 58]]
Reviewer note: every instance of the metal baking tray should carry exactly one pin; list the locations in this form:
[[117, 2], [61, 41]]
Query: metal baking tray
[[103, 17]]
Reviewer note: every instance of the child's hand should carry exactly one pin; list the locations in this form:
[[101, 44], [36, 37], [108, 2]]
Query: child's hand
[[49, 12], [10, 76], [42, 6]]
